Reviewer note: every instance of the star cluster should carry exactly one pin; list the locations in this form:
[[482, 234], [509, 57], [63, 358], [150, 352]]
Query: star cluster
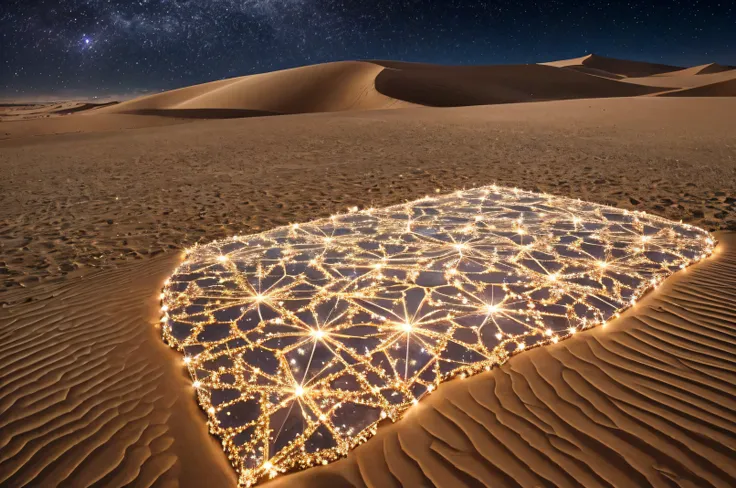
[[121, 47], [302, 339]]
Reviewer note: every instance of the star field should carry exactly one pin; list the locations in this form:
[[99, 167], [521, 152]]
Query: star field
[[114, 47]]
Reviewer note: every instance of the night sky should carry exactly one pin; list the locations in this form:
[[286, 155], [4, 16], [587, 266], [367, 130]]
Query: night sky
[[115, 48]]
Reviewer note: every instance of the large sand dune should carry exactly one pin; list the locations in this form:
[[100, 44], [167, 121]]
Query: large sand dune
[[686, 79], [330, 87], [703, 69], [619, 67], [356, 85], [725, 88], [372, 85], [662, 77], [449, 86]]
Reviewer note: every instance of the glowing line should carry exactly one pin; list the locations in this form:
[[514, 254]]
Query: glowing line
[[360, 270]]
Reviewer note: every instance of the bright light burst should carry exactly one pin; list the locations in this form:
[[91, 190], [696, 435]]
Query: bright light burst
[[301, 339]]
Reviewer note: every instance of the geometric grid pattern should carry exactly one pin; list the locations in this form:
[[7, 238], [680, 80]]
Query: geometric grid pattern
[[300, 340]]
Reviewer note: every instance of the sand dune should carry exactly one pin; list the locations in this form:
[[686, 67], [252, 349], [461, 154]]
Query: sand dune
[[685, 80], [345, 86], [619, 67], [330, 87], [376, 85], [451, 86], [596, 72], [725, 88], [703, 69], [650, 74]]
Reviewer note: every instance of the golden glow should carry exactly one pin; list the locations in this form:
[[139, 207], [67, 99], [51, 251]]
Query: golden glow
[[302, 339]]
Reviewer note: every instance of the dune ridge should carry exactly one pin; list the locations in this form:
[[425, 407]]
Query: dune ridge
[[373, 85], [447, 86], [330, 87], [703, 69], [377, 85], [681, 81], [726, 88], [620, 67], [665, 78], [647, 401]]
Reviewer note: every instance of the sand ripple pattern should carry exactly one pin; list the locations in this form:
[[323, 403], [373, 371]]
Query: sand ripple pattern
[[86, 396], [647, 401]]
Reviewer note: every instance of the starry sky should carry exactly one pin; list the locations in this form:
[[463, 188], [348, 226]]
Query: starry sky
[[121, 48]]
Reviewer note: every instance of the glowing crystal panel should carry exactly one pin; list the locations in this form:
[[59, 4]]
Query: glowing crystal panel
[[301, 339]]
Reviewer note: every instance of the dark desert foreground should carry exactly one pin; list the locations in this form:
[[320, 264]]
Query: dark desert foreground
[[96, 206]]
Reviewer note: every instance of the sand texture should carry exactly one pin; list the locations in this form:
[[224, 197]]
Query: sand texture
[[91, 396], [451, 86], [112, 197], [96, 206]]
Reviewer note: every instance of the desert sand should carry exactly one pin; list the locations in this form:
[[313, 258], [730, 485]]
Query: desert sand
[[617, 67], [29, 111], [96, 206]]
